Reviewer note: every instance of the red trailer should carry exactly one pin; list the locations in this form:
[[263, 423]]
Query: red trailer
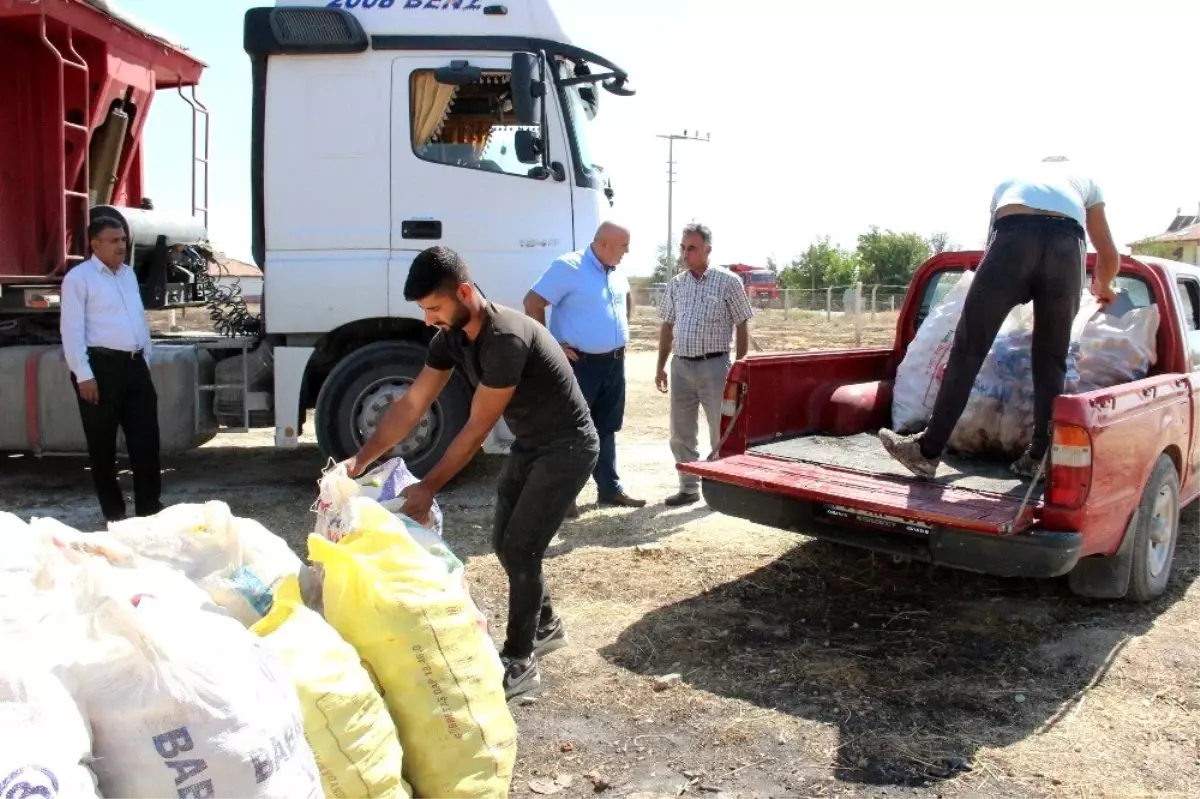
[[80, 77]]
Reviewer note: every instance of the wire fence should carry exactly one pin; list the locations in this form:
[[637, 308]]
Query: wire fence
[[854, 300]]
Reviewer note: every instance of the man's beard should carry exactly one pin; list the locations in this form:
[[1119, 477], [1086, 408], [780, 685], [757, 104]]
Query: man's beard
[[462, 315]]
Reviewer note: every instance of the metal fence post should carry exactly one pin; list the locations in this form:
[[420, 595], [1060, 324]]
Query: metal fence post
[[829, 303], [858, 314], [874, 289]]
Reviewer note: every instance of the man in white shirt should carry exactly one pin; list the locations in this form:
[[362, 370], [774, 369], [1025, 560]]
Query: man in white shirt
[[106, 343], [1036, 251]]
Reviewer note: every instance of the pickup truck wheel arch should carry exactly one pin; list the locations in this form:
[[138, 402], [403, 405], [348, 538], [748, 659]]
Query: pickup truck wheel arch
[[1114, 576], [1156, 533]]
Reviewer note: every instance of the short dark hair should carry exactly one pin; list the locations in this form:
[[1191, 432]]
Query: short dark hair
[[101, 224], [700, 230], [435, 269]]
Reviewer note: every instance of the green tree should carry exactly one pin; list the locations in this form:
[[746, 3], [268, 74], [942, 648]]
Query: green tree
[[664, 265], [822, 264], [1155, 249], [890, 258], [940, 242], [772, 265]]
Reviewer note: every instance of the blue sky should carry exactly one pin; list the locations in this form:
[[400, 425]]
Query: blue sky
[[825, 116]]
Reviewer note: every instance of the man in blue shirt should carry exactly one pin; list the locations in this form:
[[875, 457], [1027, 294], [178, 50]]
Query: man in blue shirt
[[591, 306], [1036, 252]]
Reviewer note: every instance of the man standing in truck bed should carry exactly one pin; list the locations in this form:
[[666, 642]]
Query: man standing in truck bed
[[1036, 251], [518, 371]]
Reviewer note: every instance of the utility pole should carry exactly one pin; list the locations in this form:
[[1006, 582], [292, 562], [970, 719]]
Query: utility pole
[[671, 139]]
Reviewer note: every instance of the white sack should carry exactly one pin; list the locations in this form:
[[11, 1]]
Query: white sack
[[919, 375], [237, 561], [188, 703], [45, 745]]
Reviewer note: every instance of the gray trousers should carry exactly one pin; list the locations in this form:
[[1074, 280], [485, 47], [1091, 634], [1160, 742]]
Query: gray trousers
[[695, 385]]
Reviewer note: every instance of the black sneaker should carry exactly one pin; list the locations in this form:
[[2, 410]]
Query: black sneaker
[[550, 637], [520, 675]]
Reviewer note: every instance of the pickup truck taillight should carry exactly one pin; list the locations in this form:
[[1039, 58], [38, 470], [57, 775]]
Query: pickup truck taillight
[[729, 401], [1070, 476]]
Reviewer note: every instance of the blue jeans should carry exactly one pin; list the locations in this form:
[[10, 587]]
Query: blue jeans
[[602, 381]]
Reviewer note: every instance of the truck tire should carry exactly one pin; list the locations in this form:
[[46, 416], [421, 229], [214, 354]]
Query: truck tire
[[363, 384], [1156, 532]]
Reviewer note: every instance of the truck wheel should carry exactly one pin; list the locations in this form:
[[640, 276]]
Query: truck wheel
[[361, 387], [1156, 533]]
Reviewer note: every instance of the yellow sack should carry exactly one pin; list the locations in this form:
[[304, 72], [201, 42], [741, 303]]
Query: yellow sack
[[346, 722], [414, 625]]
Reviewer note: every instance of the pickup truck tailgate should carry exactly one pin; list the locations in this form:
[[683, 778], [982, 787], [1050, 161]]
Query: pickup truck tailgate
[[852, 479]]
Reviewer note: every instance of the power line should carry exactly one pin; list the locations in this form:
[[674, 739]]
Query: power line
[[671, 139]]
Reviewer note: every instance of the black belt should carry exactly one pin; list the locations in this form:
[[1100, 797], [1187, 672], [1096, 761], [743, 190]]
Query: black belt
[[611, 355], [1040, 222], [110, 353], [706, 357]]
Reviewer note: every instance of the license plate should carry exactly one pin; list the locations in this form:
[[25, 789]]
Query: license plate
[[870, 518]]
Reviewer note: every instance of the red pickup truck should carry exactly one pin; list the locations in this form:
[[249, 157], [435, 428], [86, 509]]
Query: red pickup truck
[[799, 451]]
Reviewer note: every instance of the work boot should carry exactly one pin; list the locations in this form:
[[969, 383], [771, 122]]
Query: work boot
[[550, 637], [907, 450], [1026, 467], [682, 498], [573, 511], [623, 500], [521, 675]]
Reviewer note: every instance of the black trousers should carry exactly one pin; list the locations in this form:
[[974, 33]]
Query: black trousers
[[1031, 257], [127, 400], [536, 488], [602, 380]]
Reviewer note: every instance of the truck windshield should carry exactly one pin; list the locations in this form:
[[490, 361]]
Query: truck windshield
[[581, 120]]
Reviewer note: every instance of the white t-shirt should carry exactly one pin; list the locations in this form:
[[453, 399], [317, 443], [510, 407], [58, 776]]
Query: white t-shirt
[[1052, 186]]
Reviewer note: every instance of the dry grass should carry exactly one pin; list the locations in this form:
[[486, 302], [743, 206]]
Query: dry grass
[[807, 669]]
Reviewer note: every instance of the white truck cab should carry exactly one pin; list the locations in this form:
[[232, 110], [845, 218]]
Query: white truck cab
[[380, 128]]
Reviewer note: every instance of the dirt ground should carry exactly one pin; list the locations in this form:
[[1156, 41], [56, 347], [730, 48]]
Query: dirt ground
[[805, 669]]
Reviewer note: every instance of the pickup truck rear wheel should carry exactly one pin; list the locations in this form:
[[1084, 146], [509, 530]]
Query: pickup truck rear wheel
[[363, 385], [1156, 532]]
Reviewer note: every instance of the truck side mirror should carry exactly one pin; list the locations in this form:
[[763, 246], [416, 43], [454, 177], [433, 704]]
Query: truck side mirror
[[528, 88], [528, 146]]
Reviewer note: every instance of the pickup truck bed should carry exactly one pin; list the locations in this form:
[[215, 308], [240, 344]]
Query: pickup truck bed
[[852, 479], [864, 453]]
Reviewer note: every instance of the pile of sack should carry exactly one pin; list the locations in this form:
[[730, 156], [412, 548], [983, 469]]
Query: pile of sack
[[176, 655], [1107, 348]]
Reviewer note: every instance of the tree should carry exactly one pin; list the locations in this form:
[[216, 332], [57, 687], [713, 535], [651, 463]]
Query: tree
[[890, 258], [1155, 249], [940, 242], [664, 265], [772, 265], [822, 264]]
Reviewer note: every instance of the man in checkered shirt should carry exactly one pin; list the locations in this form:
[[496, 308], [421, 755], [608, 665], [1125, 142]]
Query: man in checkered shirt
[[701, 308]]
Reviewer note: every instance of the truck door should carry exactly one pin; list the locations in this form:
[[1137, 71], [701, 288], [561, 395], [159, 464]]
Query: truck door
[[1189, 296], [457, 181]]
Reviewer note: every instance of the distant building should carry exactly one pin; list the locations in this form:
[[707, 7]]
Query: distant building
[[1181, 242], [228, 272]]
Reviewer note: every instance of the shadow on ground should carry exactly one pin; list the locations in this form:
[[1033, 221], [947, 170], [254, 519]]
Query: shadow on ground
[[918, 667]]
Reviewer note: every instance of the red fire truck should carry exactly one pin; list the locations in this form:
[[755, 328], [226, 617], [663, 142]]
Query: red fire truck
[[762, 285]]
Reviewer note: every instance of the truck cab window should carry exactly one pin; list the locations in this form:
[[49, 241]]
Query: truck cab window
[[1189, 295], [469, 126]]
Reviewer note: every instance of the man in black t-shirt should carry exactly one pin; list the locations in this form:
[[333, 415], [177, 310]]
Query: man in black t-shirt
[[519, 371]]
